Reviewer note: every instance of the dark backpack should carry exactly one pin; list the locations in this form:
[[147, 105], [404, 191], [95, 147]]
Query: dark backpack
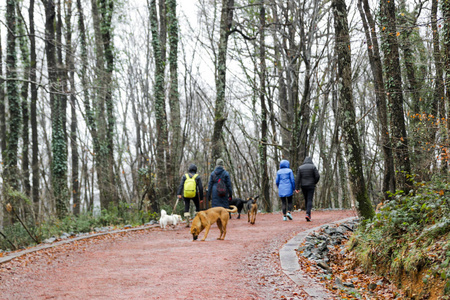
[[221, 187]]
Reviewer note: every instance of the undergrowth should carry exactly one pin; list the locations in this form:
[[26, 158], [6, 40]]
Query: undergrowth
[[16, 236], [409, 236]]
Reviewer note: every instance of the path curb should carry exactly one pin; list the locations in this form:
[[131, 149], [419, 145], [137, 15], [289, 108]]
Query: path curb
[[290, 266]]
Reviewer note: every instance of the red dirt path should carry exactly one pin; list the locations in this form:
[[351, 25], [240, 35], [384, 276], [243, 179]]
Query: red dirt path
[[165, 264]]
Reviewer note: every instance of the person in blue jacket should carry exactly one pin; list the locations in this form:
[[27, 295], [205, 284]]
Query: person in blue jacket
[[286, 187], [219, 173]]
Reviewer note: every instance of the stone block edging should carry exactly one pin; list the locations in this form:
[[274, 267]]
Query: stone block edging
[[290, 266]]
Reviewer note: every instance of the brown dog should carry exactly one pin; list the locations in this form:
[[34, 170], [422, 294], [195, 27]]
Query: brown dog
[[252, 209], [205, 218]]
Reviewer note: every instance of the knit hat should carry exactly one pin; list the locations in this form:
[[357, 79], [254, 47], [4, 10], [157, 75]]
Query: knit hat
[[219, 162]]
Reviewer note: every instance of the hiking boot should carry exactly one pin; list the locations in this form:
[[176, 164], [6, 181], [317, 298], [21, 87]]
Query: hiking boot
[[284, 218], [289, 216], [308, 218]]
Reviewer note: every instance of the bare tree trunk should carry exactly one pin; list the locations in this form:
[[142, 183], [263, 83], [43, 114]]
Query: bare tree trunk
[[2, 107], [62, 71], [292, 51], [58, 143], [89, 116], [74, 123], [421, 157], [25, 57], [380, 95], [446, 41], [395, 95], [163, 27], [2, 123], [15, 120], [160, 107], [282, 88], [303, 114], [33, 108], [220, 116], [347, 110], [409, 59], [438, 104], [102, 127], [174, 97], [265, 188], [107, 12]]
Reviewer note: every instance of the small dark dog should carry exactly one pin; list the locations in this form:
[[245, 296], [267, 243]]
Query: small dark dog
[[252, 209], [239, 203]]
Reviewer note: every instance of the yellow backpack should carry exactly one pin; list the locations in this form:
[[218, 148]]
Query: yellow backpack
[[190, 186]]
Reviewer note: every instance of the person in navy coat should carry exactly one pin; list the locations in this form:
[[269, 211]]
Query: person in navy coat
[[307, 178], [219, 173]]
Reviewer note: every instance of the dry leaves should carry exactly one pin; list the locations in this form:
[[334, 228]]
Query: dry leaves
[[348, 281]]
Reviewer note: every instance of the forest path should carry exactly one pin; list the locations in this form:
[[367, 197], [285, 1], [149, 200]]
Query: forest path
[[166, 264]]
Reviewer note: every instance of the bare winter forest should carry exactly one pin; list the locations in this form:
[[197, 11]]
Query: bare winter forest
[[107, 102]]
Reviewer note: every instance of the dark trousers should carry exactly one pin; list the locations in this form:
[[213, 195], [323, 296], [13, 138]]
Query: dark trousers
[[308, 194], [187, 202], [286, 204]]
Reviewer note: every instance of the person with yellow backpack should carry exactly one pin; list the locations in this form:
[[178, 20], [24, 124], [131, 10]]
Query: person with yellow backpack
[[190, 188]]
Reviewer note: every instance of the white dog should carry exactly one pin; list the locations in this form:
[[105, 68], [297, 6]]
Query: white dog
[[168, 220]]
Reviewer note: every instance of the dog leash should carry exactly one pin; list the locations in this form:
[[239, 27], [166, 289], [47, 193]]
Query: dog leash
[[176, 203]]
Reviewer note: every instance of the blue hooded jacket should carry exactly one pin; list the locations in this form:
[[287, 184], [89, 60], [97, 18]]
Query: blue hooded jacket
[[285, 180]]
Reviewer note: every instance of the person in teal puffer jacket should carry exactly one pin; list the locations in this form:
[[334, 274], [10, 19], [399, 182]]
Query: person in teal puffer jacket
[[286, 187]]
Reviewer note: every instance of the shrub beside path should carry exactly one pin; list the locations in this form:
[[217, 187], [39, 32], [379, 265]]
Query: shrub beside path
[[166, 264]]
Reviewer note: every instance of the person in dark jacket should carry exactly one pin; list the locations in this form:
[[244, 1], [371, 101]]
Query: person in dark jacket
[[192, 171], [286, 187], [307, 178], [219, 173]]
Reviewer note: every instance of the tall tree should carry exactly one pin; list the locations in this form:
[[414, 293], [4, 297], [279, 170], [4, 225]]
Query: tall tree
[[2, 106], [446, 62], [89, 114], [220, 115], [408, 38], [33, 108], [376, 67], [347, 110], [14, 103], [302, 119], [25, 58], [394, 92], [107, 30], [61, 69], [58, 142], [420, 102], [100, 113], [438, 106], [74, 124], [293, 113], [282, 87], [160, 106], [265, 189], [174, 96]]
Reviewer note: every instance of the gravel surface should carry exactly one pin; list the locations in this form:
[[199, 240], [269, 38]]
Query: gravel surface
[[166, 264]]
